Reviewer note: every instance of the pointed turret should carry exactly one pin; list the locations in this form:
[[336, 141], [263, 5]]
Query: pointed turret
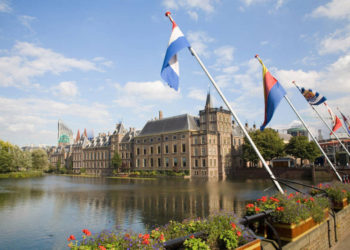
[[78, 136], [85, 133], [209, 102]]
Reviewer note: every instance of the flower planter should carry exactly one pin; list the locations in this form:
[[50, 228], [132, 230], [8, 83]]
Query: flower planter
[[340, 205], [292, 232], [253, 245]]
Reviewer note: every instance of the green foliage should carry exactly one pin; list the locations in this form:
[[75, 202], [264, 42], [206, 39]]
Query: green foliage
[[83, 170], [291, 208], [268, 142], [229, 239], [337, 191], [27, 174], [300, 147], [116, 161], [195, 244], [40, 159]]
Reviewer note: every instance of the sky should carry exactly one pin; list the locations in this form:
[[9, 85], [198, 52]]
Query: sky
[[93, 64]]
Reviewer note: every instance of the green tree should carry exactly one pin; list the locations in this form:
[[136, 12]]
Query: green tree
[[40, 159], [116, 161], [300, 147], [6, 157], [268, 142]]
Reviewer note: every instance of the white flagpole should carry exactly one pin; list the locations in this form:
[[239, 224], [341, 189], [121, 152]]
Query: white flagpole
[[301, 119], [343, 124], [330, 129], [273, 178]]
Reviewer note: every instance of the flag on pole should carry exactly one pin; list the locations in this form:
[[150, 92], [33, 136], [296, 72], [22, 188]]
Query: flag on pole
[[335, 120], [170, 68], [346, 122], [273, 93], [314, 98]]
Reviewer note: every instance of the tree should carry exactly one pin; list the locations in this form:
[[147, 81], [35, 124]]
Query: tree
[[268, 142], [40, 159], [300, 147], [116, 161], [6, 157]]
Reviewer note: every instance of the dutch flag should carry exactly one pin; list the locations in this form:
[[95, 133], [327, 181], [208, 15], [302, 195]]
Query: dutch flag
[[170, 69]]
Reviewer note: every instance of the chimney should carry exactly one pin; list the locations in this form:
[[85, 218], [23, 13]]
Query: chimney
[[246, 125], [160, 114], [254, 126]]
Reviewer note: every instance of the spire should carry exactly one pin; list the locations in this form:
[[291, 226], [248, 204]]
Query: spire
[[85, 134], [78, 136], [209, 102]]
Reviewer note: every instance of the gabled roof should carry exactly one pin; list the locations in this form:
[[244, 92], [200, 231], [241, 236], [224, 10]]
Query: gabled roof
[[184, 122]]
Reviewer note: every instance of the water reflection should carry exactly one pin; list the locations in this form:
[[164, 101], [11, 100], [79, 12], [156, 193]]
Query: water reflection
[[45, 210]]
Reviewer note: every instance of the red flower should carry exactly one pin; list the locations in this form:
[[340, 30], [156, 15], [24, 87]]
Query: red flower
[[161, 237], [71, 237], [298, 201], [250, 205], [263, 199], [233, 225], [290, 196], [344, 191], [257, 209], [87, 232], [102, 248], [145, 242], [312, 199], [127, 235], [192, 236], [274, 199], [280, 209], [140, 235], [239, 234], [305, 200], [145, 237]]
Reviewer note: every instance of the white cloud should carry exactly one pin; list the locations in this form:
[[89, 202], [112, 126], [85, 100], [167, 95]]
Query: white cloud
[[339, 41], [5, 6], [224, 55], [285, 77], [335, 9], [25, 120], [193, 15], [27, 61], [278, 3], [197, 94], [199, 41], [26, 21], [204, 5], [141, 96], [66, 89]]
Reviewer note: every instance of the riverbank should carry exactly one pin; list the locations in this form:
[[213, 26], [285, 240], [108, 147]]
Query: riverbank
[[26, 174]]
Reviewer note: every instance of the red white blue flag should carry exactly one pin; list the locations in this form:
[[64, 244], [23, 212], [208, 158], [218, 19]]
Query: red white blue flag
[[336, 123], [273, 94], [170, 68], [346, 122], [314, 98]]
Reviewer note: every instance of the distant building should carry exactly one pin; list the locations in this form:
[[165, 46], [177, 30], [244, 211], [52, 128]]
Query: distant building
[[65, 134], [208, 146], [297, 131]]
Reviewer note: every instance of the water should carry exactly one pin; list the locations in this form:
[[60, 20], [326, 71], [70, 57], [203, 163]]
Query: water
[[41, 213]]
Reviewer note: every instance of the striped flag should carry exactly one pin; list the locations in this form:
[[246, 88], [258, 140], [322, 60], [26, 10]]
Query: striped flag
[[273, 94], [170, 69]]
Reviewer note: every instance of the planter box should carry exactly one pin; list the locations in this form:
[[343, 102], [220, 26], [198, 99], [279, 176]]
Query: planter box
[[340, 205], [253, 245]]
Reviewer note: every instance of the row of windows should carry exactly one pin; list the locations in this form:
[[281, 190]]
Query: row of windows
[[91, 164], [93, 156], [167, 162], [166, 138], [166, 149]]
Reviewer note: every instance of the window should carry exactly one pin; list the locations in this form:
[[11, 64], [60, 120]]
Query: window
[[210, 162], [144, 163], [174, 137], [167, 162], [145, 140], [158, 149], [203, 139], [196, 163], [152, 150], [158, 138], [195, 140], [183, 136], [196, 152], [138, 151], [203, 151], [166, 149], [183, 148], [144, 151], [184, 162], [151, 140], [166, 138], [138, 163], [159, 162], [151, 162], [203, 163], [175, 148], [175, 162]]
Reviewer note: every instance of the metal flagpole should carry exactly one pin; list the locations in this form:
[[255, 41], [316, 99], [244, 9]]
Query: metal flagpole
[[301, 119], [343, 124], [330, 129], [273, 178]]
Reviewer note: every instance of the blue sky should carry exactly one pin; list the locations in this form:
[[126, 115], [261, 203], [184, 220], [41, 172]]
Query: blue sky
[[95, 63]]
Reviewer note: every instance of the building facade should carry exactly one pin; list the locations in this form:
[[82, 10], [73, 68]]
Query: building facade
[[208, 146]]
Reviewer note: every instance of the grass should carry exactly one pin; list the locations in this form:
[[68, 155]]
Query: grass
[[26, 174]]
